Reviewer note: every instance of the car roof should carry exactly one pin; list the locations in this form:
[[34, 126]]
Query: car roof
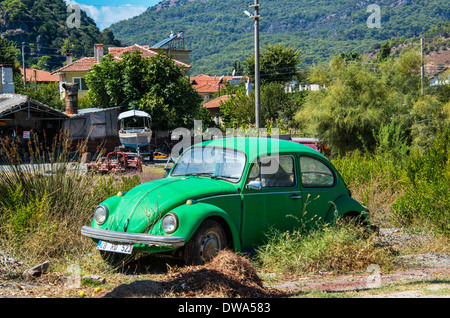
[[254, 146]]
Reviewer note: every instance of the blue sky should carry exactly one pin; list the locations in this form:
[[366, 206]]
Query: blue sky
[[106, 12]]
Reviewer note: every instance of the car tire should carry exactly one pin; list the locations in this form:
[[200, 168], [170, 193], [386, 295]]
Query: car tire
[[357, 221], [354, 219], [206, 243]]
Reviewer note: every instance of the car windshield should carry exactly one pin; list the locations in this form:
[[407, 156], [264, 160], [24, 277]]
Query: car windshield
[[216, 163]]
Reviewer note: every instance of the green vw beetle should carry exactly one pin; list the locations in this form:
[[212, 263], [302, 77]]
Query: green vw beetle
[[224, 193]]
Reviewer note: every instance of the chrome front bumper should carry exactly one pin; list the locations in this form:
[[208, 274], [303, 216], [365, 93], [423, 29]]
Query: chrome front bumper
[[132, 238]]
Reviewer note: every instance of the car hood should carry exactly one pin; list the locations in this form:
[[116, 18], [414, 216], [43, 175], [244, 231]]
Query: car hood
[[141, 207]]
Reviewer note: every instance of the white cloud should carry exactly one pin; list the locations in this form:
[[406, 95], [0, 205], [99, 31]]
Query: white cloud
[[104, 16]]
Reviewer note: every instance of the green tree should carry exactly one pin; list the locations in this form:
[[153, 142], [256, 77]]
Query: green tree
[[43, 22], [277, 107], [274, 100], [278, 63], [42, 63], [352, 56], [156, 85], [14, 9], [237, 69], [349, 113], [105, 83], [385, 51], [370, 107], [238, 110], [430, 118], [8, 53], [44, 93], [402, 74], [169, 98]]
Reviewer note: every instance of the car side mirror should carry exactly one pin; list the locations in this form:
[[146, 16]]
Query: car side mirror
[[255, 185]]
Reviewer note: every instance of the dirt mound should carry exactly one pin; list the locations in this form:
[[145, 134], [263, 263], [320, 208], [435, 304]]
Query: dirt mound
[[234, 266], [227, 275]]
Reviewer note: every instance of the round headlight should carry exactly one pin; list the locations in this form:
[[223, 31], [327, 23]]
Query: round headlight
[[170, 223], [101, 214]]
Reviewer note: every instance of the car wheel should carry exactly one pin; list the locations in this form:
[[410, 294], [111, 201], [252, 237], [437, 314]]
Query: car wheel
[[357, 221], [353, 219], [206, 243]]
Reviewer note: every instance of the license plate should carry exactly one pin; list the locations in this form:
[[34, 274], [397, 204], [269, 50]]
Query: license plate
[[113, 247]]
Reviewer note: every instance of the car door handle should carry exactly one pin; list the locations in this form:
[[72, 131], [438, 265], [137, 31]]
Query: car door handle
[[296, 197]]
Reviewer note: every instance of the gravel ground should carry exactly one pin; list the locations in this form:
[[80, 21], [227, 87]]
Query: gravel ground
[[430, 272], [8, 265]]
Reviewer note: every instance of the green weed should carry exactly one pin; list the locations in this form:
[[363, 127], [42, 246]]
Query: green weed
[[426, 200], [47, 197], [341, 248]]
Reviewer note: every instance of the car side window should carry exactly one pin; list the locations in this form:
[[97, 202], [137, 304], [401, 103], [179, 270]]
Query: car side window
[[254, 173], [315, 173], [274, 172]]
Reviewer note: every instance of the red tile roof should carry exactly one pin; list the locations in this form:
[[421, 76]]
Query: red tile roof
[[82, 65], [85, 64], [35, 75], [216, 102], [205, 79], [208, 88], [206, 84], [144, 49], [209, 84]]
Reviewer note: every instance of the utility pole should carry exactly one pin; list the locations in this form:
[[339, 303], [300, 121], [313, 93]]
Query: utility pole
[[422, 71], [257, 67], [23, 64]]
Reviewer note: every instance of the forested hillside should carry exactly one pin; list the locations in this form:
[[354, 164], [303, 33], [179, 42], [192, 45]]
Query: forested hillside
[[42, 26], [219, 33]]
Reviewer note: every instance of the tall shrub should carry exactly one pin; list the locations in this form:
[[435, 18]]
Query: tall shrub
[[426, 201], [46, 196]]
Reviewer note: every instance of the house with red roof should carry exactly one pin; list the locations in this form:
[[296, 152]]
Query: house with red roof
[[75, 71], [211, 88], [213, 107], [208, 86], [39, 76]]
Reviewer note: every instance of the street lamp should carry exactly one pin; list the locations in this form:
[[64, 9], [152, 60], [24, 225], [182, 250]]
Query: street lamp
[[257, 67]]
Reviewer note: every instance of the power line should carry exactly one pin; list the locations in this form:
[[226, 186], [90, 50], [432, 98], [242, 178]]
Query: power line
[[114, 6]]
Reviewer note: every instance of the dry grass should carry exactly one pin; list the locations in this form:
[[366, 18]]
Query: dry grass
[[47, 198], [43, 223], [378, 196], [342, 248], [227, 275], [423, 242]]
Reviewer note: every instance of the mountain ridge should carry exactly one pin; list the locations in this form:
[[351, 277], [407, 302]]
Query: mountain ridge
[[171, 3], [219, 34], [43, 26]]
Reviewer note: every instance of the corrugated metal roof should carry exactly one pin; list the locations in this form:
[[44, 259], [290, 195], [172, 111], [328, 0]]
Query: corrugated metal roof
[[84, 111], [10, 103]]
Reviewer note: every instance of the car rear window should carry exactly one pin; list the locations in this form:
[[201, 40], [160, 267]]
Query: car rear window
[[315, 173]]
